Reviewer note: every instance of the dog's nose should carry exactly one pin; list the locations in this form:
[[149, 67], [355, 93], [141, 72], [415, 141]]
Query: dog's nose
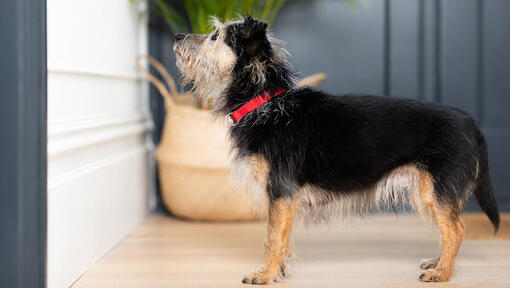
[[179, 36]]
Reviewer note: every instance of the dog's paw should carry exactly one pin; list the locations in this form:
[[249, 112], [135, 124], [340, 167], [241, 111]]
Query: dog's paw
[[434, 275], [262, 277], [429, 263], [283, 269]]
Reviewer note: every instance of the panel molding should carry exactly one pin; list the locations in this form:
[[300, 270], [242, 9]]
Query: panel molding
[[480, 61], [69, 176], [403, 49], [76, 135], [95, 73]]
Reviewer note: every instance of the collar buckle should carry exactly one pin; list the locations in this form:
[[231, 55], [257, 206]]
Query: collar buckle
[[230, 120]]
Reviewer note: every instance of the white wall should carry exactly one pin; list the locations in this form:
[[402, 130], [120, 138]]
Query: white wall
[[97, 129]]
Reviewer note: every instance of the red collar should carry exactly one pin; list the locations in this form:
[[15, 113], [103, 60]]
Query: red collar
[[234, 117]]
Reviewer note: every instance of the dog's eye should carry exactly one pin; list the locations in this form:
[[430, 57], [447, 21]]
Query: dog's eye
[[214, 36]]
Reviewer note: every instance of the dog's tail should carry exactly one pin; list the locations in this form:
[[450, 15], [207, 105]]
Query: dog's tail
[[484, 191]]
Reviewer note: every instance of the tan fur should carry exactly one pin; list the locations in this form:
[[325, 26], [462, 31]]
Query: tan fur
[[399, 187], [281, 214], [452, 233], [257, 71], [257, 68], [429, 263], [260, 169], [250, 173], [205, 63], [450, 227], [428, 199]]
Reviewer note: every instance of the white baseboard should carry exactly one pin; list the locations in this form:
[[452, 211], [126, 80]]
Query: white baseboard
[[91, 209]]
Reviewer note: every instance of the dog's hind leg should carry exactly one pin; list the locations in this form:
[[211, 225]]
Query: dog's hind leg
[[452, 232], [281, 214], [426, 192], [451, 228]]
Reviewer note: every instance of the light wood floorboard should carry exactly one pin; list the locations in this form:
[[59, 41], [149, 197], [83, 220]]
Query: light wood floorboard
[[383, 251]]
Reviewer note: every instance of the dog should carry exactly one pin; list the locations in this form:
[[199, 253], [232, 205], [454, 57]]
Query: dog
[[317, 155]]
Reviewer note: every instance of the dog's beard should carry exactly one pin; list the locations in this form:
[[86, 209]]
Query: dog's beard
[[206, 79]]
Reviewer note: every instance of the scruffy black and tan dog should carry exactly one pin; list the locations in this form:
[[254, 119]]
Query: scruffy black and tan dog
[[316, 155]]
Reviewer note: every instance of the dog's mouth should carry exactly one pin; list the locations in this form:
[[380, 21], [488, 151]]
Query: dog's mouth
[[181, 54], [183, 58]]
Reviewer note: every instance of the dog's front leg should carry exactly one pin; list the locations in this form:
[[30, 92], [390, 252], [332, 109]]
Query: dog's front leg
[[281, 214]]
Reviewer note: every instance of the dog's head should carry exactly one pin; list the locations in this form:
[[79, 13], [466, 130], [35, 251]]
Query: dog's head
[[211, 62]]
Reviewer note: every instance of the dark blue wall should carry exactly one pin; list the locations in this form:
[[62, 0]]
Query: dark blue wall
[[455, 52], [23, 146]]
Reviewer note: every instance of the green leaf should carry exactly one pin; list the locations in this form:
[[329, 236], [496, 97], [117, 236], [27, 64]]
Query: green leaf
[[199, 12], [172, 17], [274, 12]]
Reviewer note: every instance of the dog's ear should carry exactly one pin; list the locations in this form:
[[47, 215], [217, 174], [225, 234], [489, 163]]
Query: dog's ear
[[254, 35]]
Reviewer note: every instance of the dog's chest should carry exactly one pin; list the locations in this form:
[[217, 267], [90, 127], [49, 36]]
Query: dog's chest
[[251, 173]]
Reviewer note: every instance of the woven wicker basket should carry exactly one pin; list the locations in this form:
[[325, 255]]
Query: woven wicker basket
[[193, 159], [193, 168]]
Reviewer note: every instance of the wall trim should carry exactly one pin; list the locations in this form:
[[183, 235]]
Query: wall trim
[[76, 125], [56, 181], [76, 135], [90, 73]]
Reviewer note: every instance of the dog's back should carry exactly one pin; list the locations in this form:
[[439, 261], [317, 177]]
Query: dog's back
[[348, 145]]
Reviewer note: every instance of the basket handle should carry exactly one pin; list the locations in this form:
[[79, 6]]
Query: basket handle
[[155, 81], [312, 80]]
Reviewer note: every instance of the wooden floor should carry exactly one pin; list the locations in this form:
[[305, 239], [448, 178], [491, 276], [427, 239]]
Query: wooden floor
[[383, 251]]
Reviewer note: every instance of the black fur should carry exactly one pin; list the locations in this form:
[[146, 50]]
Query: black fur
[[347, 143], [252, 33]]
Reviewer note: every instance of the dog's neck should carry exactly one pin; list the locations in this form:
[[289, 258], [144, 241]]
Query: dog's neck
[[251, 80]]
